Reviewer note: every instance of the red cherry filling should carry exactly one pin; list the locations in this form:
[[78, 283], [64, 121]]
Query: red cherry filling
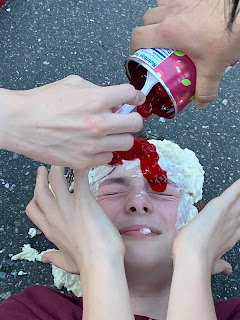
[[157, 101], [160, 91], [148, 156]]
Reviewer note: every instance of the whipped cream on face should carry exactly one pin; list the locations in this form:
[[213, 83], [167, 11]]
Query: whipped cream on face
[[183, 169]]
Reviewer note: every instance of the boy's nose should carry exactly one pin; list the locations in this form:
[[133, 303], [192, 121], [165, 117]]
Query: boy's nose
[[138, 203]]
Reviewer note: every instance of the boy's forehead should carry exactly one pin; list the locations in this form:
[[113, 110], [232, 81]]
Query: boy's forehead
[[123, 174], [127, 169]]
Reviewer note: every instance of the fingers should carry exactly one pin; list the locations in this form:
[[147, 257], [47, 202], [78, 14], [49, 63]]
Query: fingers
[[81, 183], [101, 158], [42, 193], [57, 258], [120, 142], [124, 93], [231, 196], [154, 16], [58, 182], [35, 214], [222, 266], [207, 85], [159, 35], [122, 123], [161, 3]]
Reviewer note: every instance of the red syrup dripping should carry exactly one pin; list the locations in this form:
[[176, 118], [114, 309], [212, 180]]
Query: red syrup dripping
[[148, 156]]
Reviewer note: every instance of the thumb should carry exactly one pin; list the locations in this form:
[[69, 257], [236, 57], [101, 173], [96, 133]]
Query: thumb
[[58, 259], [222, 266], [207, 85], [55, 257]]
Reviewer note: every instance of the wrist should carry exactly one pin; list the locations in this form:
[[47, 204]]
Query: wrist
[[190, 259], [97, 261], [107, 274], [6, 112], [11, 119]]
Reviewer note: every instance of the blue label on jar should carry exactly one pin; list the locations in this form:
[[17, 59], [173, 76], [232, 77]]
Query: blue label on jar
[[152, 57]]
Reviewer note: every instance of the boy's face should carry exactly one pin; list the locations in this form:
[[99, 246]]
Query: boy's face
[[128, 200]]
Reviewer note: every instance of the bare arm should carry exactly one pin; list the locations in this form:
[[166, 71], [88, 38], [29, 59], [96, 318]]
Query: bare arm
[[197, 252], [191, 294], [105, 290], [208, 42], [69, 122], [89, 243]]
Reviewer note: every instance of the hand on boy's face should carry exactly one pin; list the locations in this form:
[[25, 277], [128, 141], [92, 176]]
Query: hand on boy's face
[[73, 221]]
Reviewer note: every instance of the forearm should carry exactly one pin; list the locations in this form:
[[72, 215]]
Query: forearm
[[15, 122], [9, 108], [105, 290], [191, 295], [4, 116]]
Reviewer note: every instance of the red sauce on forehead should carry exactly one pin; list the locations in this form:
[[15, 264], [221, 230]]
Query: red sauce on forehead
[[148, 156]]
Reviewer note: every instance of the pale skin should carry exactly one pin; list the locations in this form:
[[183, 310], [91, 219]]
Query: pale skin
[[141, 270], [199, 29], [70, 122]]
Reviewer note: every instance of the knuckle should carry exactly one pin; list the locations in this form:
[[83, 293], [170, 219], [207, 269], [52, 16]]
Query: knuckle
[[129, 141], [136, 35], [29, 209], [37, 191], [73, 79], [131, 91], [93, 125], [202, 98], [147, 17], [168, 30], [137, 122]]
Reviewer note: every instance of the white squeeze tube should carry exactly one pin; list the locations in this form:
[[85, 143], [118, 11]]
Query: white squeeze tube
[[150, 82]]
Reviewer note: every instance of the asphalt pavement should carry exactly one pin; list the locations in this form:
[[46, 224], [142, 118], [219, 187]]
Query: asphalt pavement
[[43, 41]]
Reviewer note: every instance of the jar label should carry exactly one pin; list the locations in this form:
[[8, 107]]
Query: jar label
[[152, 57]]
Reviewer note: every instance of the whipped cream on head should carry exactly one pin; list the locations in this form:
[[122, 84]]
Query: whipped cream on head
[[183, 169]]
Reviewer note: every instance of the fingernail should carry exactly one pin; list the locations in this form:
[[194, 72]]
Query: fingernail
[[38, 170], [142, 97], [202, 105], [45, 260]]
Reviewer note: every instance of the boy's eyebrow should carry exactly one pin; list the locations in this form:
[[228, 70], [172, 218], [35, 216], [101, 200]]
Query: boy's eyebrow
[[119, 180]]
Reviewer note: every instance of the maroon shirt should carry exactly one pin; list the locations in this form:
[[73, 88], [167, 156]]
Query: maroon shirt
[[42, 303], [2, 3]]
